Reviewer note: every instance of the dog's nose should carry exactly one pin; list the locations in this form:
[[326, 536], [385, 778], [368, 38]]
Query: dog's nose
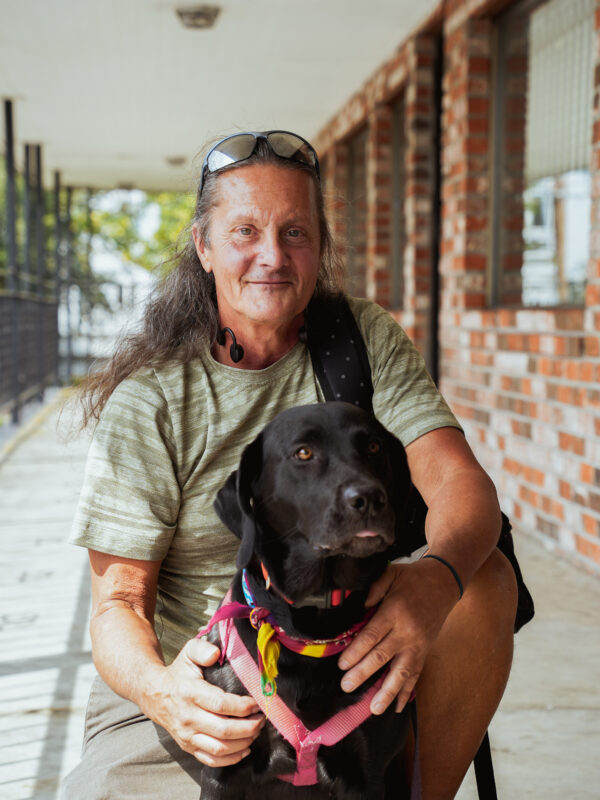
[[365, 499]]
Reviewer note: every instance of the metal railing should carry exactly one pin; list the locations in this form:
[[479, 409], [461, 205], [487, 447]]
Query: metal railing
[[28, 347]]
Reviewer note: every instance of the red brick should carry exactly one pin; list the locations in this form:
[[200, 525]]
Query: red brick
[[592, 346], [588, 549], [566, 490], [592, 294], [573, 444], [591, 525]]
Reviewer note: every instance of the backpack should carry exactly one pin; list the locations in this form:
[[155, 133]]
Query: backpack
[[341, 364]]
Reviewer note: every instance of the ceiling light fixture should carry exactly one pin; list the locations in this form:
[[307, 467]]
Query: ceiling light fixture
[[198, 17]]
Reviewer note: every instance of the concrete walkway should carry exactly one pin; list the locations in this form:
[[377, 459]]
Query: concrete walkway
[[546, 736]]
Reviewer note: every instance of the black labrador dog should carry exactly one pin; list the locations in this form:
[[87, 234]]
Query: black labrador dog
[[318, 502]]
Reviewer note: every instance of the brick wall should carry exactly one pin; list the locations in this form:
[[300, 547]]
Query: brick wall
[[408, 73], [356, 211], [524, 382], [378, 222], [511, 164]]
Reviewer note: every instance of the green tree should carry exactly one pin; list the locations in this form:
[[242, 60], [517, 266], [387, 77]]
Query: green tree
[[141, 228]]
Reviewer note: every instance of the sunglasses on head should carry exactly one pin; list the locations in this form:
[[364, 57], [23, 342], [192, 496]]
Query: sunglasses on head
[[240, 146]]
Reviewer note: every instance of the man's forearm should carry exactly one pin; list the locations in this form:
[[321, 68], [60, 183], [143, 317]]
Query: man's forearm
[[126, 652], [463, 522]]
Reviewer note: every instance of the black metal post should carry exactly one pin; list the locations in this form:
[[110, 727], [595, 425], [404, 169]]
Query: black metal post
[[57, 262], [41, 270], [40, 249], [26, 266], [89, 303], [11, 252], [68, 261]]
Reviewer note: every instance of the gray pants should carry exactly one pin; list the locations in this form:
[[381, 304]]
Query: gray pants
[[125, 755]]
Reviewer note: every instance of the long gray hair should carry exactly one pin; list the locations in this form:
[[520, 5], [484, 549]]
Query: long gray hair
[[182, 312]]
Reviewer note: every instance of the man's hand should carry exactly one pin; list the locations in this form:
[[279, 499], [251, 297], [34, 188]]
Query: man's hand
[[214, 726], [416, 599]]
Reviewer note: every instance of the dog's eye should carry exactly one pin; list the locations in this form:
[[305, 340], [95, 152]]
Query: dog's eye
[[303, 454], [374, 446]]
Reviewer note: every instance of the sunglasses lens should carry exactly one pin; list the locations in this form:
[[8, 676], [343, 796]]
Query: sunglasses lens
[[234, 149], [241, 146], [286, 145]]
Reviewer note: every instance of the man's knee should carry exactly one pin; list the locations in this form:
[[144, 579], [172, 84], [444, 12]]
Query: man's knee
[[492, 592], [486, 613]]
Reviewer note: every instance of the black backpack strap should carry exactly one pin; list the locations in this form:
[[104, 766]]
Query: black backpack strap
[[338, 352], [525, 607], [484, 771]]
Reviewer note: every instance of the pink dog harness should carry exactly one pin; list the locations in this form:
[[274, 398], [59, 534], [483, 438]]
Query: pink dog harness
[[305, 742]]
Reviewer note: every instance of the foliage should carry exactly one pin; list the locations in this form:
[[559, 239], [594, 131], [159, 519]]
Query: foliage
[[141, 228]]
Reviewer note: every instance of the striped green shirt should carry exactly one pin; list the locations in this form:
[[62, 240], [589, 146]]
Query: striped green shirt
[[169, 437]]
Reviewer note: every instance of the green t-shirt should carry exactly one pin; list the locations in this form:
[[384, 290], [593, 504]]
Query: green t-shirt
[[169, 437]]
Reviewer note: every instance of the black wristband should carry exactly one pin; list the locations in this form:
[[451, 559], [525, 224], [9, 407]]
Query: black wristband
[[452, 570]]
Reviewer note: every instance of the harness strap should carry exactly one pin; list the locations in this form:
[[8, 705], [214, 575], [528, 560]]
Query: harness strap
[[415, 787], [305, 742]]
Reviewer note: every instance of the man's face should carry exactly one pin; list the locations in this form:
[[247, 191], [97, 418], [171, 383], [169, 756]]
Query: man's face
[[263, 246]]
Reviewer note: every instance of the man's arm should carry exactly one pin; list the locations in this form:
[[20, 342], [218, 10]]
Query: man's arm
[[463, 522], [207, 722]]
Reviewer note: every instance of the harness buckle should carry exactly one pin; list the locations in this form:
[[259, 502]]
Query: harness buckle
[[255, 619]]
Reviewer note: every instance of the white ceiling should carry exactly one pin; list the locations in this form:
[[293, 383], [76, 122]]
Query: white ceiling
[[113, 88]]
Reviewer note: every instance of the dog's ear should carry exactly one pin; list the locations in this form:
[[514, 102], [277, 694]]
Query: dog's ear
[[405, 501], [227, 506], [233, 503], [400, 471]]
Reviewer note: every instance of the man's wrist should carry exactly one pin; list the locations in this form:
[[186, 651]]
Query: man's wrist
[[453, 571]]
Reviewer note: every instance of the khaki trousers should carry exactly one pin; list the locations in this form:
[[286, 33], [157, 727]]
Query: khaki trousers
[[126, 755]]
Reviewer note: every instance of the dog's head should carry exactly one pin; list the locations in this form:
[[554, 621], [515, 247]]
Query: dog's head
[[320, 481]]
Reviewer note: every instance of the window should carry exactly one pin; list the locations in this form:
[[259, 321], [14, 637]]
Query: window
[[543, 134]]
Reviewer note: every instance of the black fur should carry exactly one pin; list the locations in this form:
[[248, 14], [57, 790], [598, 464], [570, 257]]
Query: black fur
[[300, 519]]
